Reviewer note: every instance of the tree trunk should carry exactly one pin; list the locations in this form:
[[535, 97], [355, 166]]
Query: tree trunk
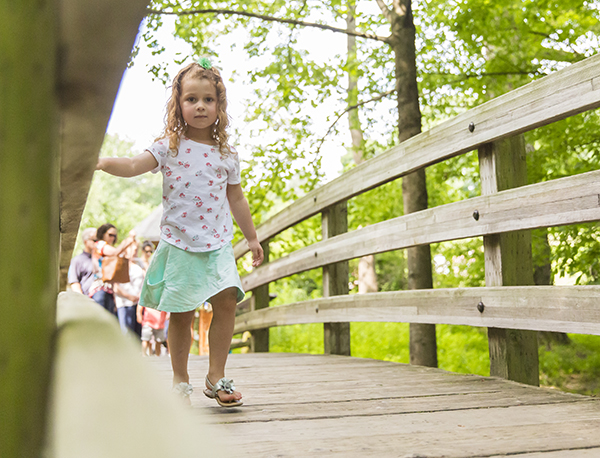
[[423, 348], [367, 276]]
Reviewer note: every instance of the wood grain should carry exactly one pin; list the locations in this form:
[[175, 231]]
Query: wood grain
[[542, 308], [562, 94], [336, 406], [508, 261], [568, 200]]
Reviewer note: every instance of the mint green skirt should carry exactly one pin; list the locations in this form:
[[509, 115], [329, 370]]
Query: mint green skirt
[[179, 281]]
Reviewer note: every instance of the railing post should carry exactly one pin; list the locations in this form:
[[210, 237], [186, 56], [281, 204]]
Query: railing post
[[260, 300], [29, 221], [336, 337], [513, 353]]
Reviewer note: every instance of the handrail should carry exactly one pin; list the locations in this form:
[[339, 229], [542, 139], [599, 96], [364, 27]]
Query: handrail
[[540, 308], [503, 215], [103, 394], [557, 96], [567, 200]]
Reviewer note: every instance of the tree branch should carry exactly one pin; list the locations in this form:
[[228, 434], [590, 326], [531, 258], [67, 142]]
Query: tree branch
[[271, 19], [466, 76], [385, 10], [350, 108]]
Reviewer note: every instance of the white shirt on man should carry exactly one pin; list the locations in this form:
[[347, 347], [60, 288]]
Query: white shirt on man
[[134, 287]]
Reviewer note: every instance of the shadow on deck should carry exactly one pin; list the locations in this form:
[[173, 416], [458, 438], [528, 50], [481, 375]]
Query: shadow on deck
[[312, 405]]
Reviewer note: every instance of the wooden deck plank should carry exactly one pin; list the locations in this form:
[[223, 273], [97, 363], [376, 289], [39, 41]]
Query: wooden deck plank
[[456, 442], [314, 405], [574, 453]]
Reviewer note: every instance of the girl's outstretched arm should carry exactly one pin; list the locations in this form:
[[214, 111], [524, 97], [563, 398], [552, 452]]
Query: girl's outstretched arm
[[127, 166], [241, 213]]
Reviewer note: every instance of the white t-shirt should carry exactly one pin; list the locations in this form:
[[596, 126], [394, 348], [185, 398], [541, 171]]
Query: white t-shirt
[[196, 215], [134, 287]]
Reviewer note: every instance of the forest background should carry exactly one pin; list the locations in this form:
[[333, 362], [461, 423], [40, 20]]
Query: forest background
[[304, 95]]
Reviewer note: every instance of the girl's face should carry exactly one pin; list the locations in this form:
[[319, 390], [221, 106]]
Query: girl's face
[[198, 104]]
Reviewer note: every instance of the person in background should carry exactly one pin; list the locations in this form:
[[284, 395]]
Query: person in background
[[127, 295], [102, 292], [81, 270], [147, 251], [153, 326]]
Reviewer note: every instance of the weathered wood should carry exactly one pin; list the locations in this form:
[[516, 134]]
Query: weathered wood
[[557, 96], [553, 203], [96, 38], [325, 406], [499, 397], [104, 395], [336, 337], [571, 309], [260, 300], [513, 352], [29, 197], [583, 452]]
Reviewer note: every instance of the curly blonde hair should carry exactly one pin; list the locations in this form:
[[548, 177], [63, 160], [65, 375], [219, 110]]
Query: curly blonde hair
[[175, 125]]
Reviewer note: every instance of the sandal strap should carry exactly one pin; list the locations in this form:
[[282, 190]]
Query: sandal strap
[[224, 384], [183, 389]]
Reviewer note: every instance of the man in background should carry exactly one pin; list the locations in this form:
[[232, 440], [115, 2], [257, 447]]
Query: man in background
[[81, 270]]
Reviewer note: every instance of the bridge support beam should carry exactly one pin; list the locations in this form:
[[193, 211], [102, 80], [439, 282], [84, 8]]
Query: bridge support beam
[[29, 221], [336, 339], [508, 262], [260, 300]]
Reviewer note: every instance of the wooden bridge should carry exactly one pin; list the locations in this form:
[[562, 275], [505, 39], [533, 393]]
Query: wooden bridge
[[339, 406], [103, 397]]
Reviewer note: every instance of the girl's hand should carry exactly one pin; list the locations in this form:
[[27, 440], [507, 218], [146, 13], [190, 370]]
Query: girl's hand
[[257, 253], [100, 164]]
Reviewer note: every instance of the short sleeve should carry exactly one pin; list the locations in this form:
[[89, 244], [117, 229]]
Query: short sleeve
[[234, 176], [159, 150], [72, 274], [100, 244]]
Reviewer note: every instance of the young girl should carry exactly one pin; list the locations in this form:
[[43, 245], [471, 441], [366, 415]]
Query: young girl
[[194, 260]]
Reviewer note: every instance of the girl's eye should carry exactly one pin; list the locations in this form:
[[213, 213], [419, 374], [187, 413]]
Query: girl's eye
[[191, 99], [210, 99]]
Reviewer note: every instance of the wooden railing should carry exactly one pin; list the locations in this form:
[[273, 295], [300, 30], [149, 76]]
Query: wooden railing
[[503, 215]]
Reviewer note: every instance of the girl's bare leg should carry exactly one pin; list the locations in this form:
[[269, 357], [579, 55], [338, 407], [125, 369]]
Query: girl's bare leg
[[145, 348], [180, 341], [219, 337]]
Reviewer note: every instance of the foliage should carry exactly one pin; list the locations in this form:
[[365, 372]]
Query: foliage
[[574, 367], [565, 148], [468, 51], [119, 201], [306, 338]]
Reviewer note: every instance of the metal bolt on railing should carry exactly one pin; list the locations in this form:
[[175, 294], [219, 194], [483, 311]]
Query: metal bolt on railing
[[476, 215], [480, 307]]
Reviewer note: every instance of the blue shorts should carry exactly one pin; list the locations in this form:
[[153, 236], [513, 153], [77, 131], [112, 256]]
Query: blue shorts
[[180, 281]]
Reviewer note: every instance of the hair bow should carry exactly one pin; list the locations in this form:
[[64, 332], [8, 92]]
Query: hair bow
[[205, 63]]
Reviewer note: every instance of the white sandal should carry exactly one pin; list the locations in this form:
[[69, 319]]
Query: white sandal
[[184, 391], [225, 385]]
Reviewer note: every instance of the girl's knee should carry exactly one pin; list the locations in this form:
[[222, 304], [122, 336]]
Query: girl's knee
[[226, 299]]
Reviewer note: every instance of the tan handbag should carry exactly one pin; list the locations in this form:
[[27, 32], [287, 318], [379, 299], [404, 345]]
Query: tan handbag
[[115, 269]]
